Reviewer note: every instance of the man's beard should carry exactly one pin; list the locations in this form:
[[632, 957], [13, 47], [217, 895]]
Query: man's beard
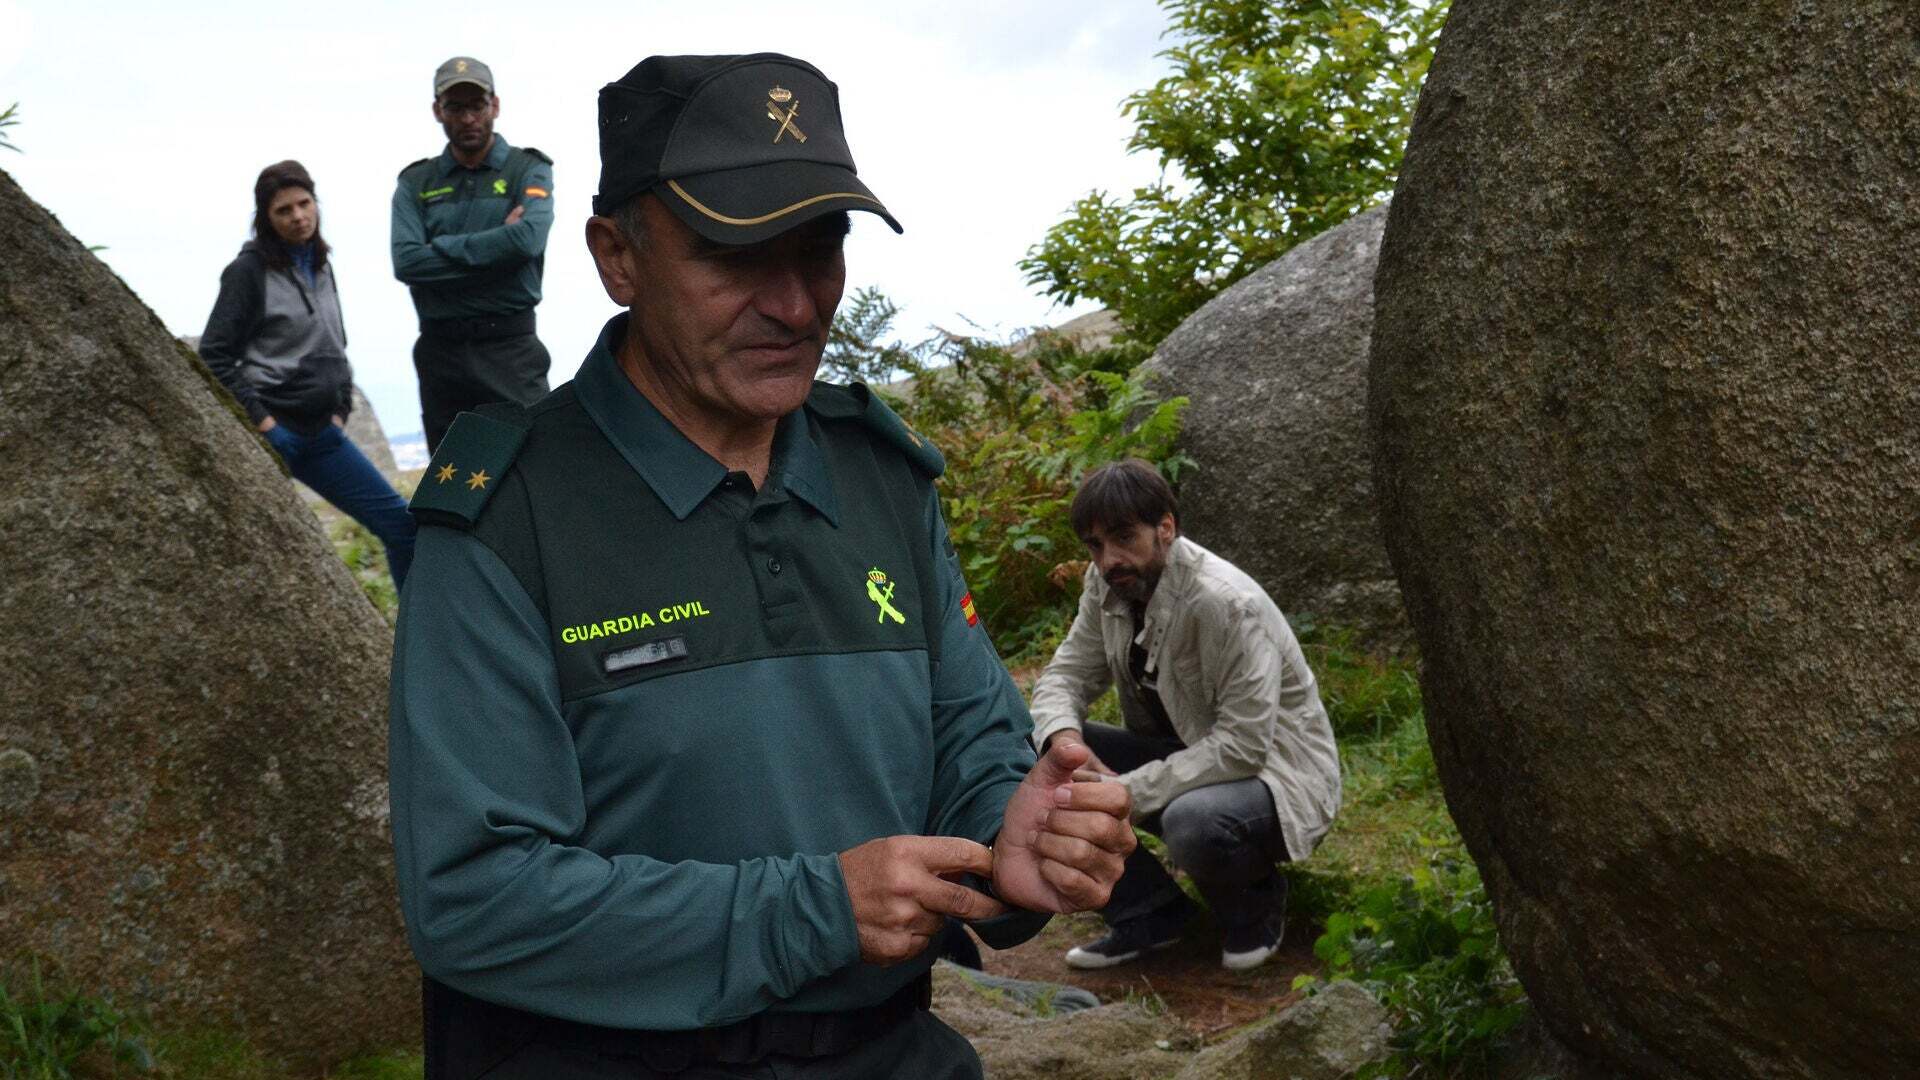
[[1135, 586]]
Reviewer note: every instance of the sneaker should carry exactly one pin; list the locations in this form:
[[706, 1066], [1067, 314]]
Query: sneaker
[[1246, 949], [1129, 940]]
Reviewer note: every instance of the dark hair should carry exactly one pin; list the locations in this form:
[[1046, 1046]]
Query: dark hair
[[1122, 493], [273, 180]]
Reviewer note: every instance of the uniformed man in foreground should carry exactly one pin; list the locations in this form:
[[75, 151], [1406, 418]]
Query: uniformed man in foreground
[[470, 242], [697, 743]]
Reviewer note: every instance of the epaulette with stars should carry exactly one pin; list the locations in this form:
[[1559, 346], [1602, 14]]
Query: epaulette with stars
[[466, 470], [858, 402]]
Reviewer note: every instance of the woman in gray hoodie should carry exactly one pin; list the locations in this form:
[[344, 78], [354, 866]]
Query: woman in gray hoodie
[[276, 340]]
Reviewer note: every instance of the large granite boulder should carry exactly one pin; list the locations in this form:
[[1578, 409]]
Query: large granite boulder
[[1646, 400], [363, 427], [1276, 372], [192, 739]]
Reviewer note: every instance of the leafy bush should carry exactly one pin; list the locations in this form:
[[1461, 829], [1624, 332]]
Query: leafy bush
[[1366, 697], [1018, 433], [1405, 911], [1019, 425], [1280, 119], [1428, 949], [855, 351], [51, 1031]]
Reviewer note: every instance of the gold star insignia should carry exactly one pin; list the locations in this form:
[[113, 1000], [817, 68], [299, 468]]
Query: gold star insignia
[[445, 474], [478, 480]]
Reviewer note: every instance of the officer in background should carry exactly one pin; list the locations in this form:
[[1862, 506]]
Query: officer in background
[[697, 742], [470, 240]]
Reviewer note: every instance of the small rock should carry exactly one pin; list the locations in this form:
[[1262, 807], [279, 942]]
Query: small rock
[[1108, 1042], [1329, 1036]]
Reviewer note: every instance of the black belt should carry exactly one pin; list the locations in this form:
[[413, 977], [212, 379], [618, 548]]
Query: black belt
[[802, 1035], [480, 328]]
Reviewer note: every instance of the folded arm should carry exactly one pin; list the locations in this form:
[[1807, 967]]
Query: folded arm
[[514, 241], [415, 261]]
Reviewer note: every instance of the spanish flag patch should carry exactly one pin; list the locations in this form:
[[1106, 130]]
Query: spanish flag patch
[[537, 192], [966, 607]]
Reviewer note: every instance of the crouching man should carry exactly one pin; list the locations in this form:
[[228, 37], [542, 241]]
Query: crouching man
[[1226, 751]]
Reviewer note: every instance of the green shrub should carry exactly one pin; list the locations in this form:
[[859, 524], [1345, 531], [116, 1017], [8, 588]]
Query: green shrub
[[1275, 121], [1366, 697], [1427, 947], [9, 117], [1019, 427], [51, 1031], [1405, 912]]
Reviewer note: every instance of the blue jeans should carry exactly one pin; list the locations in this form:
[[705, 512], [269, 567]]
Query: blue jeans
[[330, 464]]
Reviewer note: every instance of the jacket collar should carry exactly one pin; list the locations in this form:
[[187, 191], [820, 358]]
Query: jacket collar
[[496, 157], [680, 473]]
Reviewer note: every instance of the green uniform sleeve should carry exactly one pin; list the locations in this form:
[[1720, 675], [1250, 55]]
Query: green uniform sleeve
[[980, 730], [508, 245], [415, 262], [500, 901]]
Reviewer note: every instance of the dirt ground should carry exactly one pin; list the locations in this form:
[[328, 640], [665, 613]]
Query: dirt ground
[[1187, 979]]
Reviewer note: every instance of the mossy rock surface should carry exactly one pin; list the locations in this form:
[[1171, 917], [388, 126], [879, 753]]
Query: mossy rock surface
[[1647, 437], [193, 809]]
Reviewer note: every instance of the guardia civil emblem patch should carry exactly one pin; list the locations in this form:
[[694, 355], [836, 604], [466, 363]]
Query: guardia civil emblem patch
[[880, 591]]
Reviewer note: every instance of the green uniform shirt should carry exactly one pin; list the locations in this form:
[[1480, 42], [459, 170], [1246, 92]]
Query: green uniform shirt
[[638, 707], [450, 241]]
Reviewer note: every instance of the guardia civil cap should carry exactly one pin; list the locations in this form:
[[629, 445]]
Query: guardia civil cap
[[462, 69], [740, 148]]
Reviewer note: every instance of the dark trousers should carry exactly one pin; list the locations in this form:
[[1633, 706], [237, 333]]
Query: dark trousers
[[920, 1046], [1225, 836], [459, 374], [331, 465]]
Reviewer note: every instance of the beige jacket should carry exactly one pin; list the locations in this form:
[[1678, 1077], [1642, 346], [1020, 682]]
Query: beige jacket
[[1233, 680]]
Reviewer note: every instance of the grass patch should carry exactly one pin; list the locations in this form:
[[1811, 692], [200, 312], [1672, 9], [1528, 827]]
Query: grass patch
[[366, 558], [52, 1028], [1406, 914]]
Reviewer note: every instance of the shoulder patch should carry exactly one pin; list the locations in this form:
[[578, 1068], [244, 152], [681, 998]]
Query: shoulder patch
[[858, 402], [466, 470], [414, 165], [535, 153]]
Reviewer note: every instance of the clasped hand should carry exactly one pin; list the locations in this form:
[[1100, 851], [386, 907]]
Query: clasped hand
[[1063, 842]]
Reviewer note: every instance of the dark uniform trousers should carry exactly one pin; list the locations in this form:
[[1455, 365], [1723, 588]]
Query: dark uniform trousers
[[920, 1047], [466, 363]]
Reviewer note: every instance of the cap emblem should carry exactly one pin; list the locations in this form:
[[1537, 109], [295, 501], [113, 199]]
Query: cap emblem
[[777, 97], [460, 67]]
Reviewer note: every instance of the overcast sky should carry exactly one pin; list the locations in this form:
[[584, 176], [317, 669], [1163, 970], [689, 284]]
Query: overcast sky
[[145, 124]]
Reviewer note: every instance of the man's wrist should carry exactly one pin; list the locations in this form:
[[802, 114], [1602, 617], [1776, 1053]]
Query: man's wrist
[[1070, 734]]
